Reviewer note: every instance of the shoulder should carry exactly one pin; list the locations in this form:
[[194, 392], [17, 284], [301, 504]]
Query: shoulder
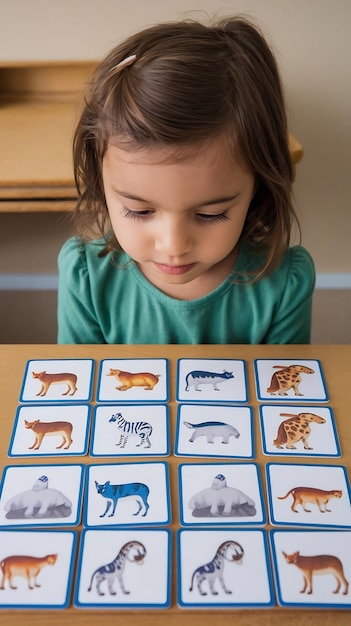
[[78, 256], [298, 266], [76, 251]]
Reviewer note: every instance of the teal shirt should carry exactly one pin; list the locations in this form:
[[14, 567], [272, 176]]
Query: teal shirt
[[108, 300]]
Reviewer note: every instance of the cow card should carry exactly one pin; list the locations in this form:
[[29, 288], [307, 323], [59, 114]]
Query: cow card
[[290, 380], [133, 380], [120, 569], [214, 430], [211, 380], [53, 380]]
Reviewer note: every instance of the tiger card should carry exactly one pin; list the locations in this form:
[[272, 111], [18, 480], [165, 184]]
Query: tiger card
[[286, 380], [53, 380], [133, 380]]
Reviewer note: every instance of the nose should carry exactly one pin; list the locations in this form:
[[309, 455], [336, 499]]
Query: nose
[[173, 238]]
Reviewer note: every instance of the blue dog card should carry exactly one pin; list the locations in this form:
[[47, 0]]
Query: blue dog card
[[297, 380], [52, 380], [133, 380], [211, 380]]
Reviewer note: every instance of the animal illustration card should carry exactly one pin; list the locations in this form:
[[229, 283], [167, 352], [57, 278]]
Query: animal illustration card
[[123, 494], [312, 568], [53, 380], [211, 380], [308, 495], [220, 494], [36, 568], [299, 431], [124, 568], [133, 380], [130, 430], [224, 568], [41, 495], [50, 430], [214, 430], [286, 380]]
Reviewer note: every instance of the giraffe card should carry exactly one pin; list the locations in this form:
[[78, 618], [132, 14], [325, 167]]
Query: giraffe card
[[223, 568], [312, 568], [220, 494], [53, 380], [211, 380], [299, 431], [50, 430], [285, 380], [214, 430], [133, 380], [308, 495], [130, 430], [128, 568], [133, 494], [37, 568]]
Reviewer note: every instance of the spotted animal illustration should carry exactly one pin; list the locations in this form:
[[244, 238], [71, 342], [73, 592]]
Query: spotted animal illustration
[[113, 493], [199, 377], [143, 430], [210, 430], [230, 551], [319, 564], [134, 552], [47, 380], [28, 567], [221, 500], [311, 495], [287, 378], [296, 428], [136, 379], [40, 501]]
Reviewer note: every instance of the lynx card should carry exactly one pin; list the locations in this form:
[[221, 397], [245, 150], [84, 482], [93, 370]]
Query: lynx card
[[65, 380], [41, 495], [50, 430], [287, 380], [312, 568], [214, 430], [124, 568], [37, 568], [224, 568], [308, 495], [123, 494], [221, 494], [133, 380], [211, 380], [131, 430], [299, 431]]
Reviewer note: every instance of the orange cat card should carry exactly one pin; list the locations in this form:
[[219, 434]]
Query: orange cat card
[[286, 380], [52, 380], [133, 380]]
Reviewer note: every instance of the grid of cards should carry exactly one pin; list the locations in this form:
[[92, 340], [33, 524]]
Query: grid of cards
[[122, 500]]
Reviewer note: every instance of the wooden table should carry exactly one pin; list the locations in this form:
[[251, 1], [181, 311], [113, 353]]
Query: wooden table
[[336, 363]]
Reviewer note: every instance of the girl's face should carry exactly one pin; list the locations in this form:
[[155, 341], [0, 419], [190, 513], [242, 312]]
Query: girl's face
[[179, 220]]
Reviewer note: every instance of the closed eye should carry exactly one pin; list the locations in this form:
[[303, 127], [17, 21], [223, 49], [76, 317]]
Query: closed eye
[[137, 215], [213, 219]]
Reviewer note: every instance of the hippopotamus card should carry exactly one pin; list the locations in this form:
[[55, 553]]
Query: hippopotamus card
[[53, 380], [133, 380], [211, 380], [290, 380], [221, 494], [214, 430], [41, 495]]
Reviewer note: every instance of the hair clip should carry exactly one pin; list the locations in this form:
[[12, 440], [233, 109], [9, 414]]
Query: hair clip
[[127, 61]]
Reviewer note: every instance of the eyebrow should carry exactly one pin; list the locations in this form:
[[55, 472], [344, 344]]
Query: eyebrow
[[220, 200]]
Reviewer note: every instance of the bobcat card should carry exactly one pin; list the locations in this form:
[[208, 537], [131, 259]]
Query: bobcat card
[[211, 380], [308, 495], [130, 430], [36, 568], [214, 430], [224, 568], [41, 495], [220, 494], [52, 380], [285, 380], [133, 380], [312, 568], [299, 431], [50, 430], [134, 494], [128, 568]]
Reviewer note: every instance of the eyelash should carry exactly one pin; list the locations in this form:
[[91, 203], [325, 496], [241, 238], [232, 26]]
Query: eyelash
[[203, 217]]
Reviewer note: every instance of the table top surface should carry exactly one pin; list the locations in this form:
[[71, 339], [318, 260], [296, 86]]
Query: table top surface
[[336, 364]]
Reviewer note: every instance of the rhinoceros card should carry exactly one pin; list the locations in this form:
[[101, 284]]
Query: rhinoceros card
[[211, 380]]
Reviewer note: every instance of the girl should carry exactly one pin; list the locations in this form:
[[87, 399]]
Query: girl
[[184, 212]]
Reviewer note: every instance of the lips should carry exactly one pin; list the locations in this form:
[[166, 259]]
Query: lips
[[174, 270]]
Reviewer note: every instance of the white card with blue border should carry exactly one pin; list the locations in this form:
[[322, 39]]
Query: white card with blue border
[[299, 431], [308, 495], [211, 380], [41, 495], [50, 430], [290, 380], [224, 568], [130, 430], [214, 430], [123, 494], [312, 568], [221, 494], [133, 380], [37, 568], [121, 569], [53, 380]]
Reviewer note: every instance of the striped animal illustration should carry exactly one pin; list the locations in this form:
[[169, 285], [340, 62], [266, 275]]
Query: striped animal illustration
[[134, 552], [296, 428], [228, 551], [113, 493], [199, 377], [143, 430], [287, 378]]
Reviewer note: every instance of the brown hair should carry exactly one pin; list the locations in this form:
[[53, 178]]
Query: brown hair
[[192, 83]]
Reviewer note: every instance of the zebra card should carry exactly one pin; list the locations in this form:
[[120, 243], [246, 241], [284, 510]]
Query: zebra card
[[53, 380], [290, 380], [211, 380], [133, 380]]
